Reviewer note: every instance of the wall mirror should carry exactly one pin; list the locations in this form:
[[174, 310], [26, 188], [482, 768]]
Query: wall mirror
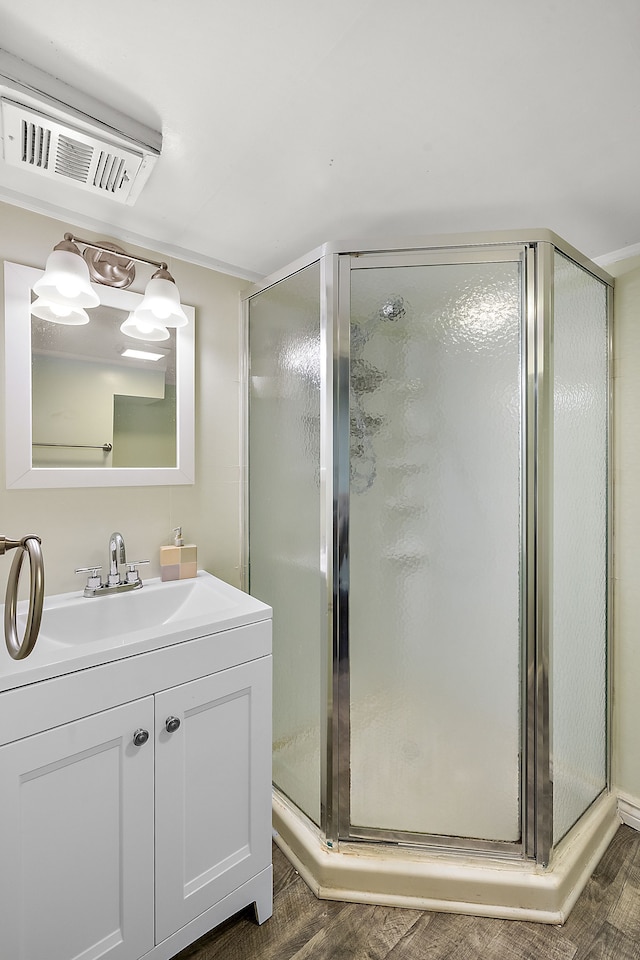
[[81, 414]]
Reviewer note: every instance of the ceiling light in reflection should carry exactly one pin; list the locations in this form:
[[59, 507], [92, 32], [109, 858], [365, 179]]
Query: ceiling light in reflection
[[485, 319], [302, 357], [141, 355]]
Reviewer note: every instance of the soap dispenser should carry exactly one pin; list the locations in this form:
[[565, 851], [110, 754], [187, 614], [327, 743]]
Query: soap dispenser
[[178, 561]]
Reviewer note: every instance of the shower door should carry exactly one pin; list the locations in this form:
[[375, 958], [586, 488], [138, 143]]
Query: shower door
[[430, 561]]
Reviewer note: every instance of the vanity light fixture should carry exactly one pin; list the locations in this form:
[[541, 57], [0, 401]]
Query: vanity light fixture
[[161, 302], [65, 290], [66, 280]]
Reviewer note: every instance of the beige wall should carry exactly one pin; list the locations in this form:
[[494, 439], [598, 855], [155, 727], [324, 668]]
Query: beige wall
[[75, 524], [626, 538]]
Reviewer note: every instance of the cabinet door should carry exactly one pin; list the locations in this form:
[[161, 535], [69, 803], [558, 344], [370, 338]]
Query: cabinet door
[[213, 790], [76, 836]]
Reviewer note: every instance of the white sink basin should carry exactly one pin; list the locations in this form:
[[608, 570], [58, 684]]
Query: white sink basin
[[78, 632], [115, 616]]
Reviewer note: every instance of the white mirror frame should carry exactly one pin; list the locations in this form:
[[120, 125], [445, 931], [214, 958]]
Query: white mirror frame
[[18, 282]]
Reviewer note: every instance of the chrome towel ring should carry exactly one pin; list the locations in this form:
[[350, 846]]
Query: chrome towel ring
[[31, 546]]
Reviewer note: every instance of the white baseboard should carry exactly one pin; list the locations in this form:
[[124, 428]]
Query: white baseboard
[[629, 811]]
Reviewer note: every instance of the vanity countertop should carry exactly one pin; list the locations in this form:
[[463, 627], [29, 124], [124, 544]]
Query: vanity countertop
[[77, 632]]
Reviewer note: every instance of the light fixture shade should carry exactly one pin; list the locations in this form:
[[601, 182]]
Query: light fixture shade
[[58, 313], [161, 303], [66, 280], [141, 329]]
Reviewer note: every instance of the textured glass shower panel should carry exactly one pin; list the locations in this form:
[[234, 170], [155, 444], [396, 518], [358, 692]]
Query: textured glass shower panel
[[435, 549], [284, 518], [579, 634]]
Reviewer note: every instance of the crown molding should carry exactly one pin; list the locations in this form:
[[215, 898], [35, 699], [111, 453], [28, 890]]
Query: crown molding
[[47, 209]]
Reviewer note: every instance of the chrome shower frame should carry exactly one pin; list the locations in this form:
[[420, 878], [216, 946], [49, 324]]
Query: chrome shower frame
[[535, 249]]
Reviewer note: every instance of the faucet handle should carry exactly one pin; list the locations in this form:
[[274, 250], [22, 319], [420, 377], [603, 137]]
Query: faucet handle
[[132, 573], [93, 580]]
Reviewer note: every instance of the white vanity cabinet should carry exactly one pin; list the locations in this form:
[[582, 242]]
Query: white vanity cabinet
[[114, 850], [213, 826], [76, 837]]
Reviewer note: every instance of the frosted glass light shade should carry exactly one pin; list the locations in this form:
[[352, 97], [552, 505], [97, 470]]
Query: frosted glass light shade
[[143, 329], [161, 304], [66, 281], [58, 313]]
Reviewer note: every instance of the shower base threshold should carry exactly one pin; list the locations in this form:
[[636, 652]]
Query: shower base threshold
[[443, 882]]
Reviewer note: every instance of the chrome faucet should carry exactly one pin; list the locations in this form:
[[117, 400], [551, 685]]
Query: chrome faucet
[[117, 554], [114, 583]]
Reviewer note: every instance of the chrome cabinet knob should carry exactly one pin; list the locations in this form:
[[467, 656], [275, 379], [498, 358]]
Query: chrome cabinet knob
[[172, 724], [140, 736]]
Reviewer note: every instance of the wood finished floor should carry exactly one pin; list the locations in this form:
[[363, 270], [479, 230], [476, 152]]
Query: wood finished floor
[[604, 925]]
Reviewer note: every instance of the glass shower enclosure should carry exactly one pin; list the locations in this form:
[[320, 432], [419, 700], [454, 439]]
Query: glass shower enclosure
[[428, 513]]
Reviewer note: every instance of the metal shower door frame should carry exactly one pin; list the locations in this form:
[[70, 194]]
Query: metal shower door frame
[[541, 293], [338, 823], [536, 523]]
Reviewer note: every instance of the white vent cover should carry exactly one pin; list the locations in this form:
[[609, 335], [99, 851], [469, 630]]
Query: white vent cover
[[61, 152]]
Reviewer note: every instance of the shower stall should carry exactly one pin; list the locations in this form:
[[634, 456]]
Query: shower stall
[[428, 514]]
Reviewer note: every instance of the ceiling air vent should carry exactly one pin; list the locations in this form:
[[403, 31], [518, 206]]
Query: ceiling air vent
[[59, 151]]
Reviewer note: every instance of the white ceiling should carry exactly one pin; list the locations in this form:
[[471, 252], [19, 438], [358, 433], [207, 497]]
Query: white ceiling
[[287, 123]]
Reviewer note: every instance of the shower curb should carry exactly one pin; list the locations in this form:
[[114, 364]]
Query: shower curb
[[422, 880]]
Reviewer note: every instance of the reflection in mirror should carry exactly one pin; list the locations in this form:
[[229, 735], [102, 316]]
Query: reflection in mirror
[[93, 404], [79, 413]]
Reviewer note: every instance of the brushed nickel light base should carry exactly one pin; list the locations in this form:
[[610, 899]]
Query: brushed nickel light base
[[110, 265]]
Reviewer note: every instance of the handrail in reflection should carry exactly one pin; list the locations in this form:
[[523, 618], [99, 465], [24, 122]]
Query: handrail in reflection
[[106, 447]]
